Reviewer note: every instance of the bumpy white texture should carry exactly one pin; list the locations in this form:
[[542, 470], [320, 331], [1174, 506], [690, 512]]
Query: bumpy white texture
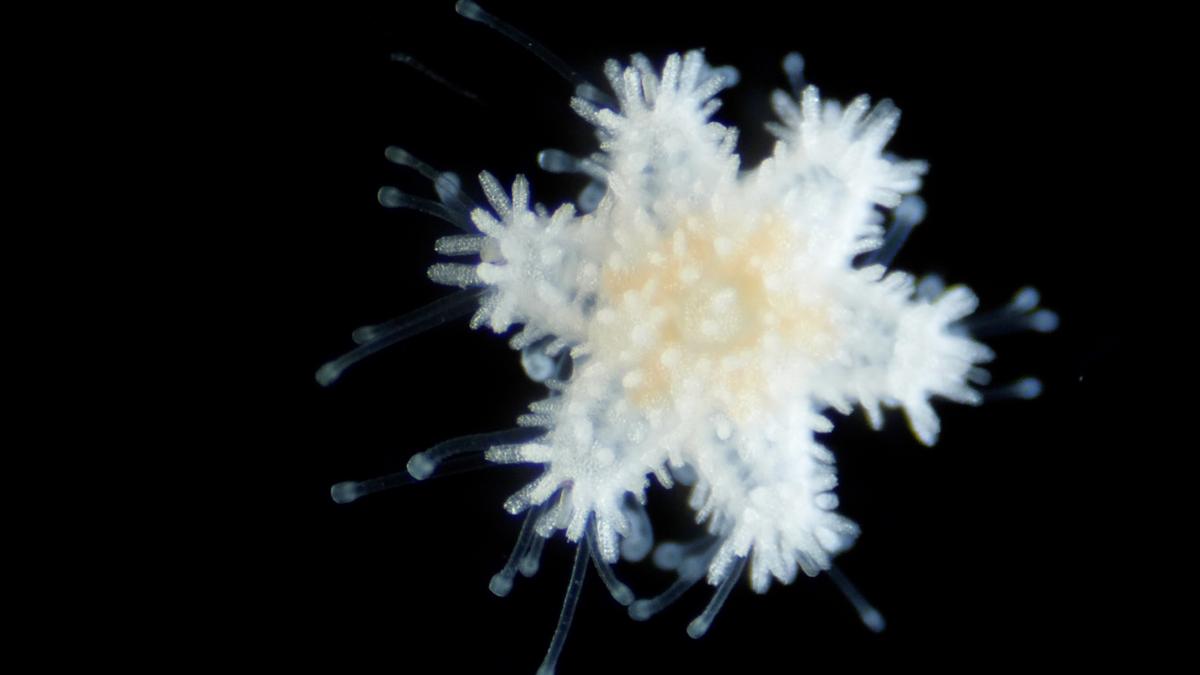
[[713, 313]]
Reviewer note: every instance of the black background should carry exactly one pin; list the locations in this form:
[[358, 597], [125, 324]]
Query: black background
[[995, 546]]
